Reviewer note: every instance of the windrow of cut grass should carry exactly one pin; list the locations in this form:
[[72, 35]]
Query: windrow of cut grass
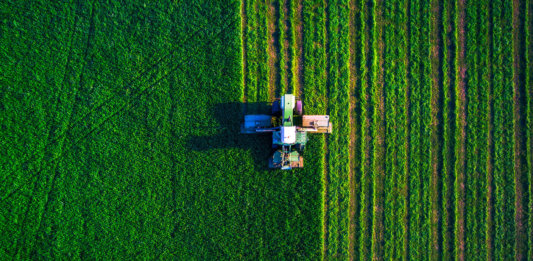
[[503, 142], [395, 120], [378, 118], [448, 129], [315, 96], [366, 76], [436, 128], [519, 127], [337, 50], [419, 172]]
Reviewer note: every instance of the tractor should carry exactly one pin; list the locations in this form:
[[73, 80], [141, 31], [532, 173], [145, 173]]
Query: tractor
[[289, 128]]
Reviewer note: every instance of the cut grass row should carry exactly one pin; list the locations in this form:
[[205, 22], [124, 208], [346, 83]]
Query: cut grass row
[[448, 116], [378, 164], [503, 142], [436, 128], [338, 143], [419, 171], [367, 61], [394, 88], [529, 92], [314, 93]]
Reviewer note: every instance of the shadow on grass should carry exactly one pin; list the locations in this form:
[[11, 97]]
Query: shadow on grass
[[229, 117]]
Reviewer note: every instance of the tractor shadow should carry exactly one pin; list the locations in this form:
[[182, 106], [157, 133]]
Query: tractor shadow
[[229, 117]]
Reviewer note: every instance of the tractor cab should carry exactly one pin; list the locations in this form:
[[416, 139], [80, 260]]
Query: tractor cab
[[289, 130]]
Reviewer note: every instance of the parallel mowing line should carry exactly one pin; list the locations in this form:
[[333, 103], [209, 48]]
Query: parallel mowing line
[[417, 235], [436, 128], [406, 11], [366, 130], [243, 53], [489, 235], [338, 145], [529, 115], [393, 130], [378, 163], [267, 73], [448, 83], [355, 121], [503, 144], [483, 90], [251, 58], [273, 51], [472, 132], [296, 26], [333, 244], [460, 90], [519, 124], [399, 76], [425, 127], [344, 128]]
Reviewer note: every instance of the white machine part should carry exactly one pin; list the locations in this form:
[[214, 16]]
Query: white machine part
[[288, 135], [288, 99]]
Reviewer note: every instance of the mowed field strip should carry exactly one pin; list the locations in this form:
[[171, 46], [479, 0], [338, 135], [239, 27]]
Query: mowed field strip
[[119, 130], [430, 155]]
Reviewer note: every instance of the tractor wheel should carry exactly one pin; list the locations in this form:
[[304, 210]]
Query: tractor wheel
[[276, 108], [300, 147], [299, 108]]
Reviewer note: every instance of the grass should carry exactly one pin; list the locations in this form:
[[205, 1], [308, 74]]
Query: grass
[[119, 130]]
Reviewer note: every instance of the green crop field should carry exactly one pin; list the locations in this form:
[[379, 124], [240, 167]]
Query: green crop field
[[119, 130]]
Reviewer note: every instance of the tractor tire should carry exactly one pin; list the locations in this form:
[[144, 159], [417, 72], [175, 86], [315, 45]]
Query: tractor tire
[[276, 108], [299, 109], [300, 147]]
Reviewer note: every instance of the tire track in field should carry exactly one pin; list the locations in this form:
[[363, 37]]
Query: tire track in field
[[127, 105], [162, 60], [436, 127], [519, 124], [61, 143], [378, 229], [51, 135], [461, 134]]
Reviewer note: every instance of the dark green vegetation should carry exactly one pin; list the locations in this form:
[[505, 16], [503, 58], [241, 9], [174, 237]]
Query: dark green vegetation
[[119, 138], [119, 130]]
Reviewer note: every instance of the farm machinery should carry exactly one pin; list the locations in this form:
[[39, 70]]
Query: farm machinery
[[289, 129]]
